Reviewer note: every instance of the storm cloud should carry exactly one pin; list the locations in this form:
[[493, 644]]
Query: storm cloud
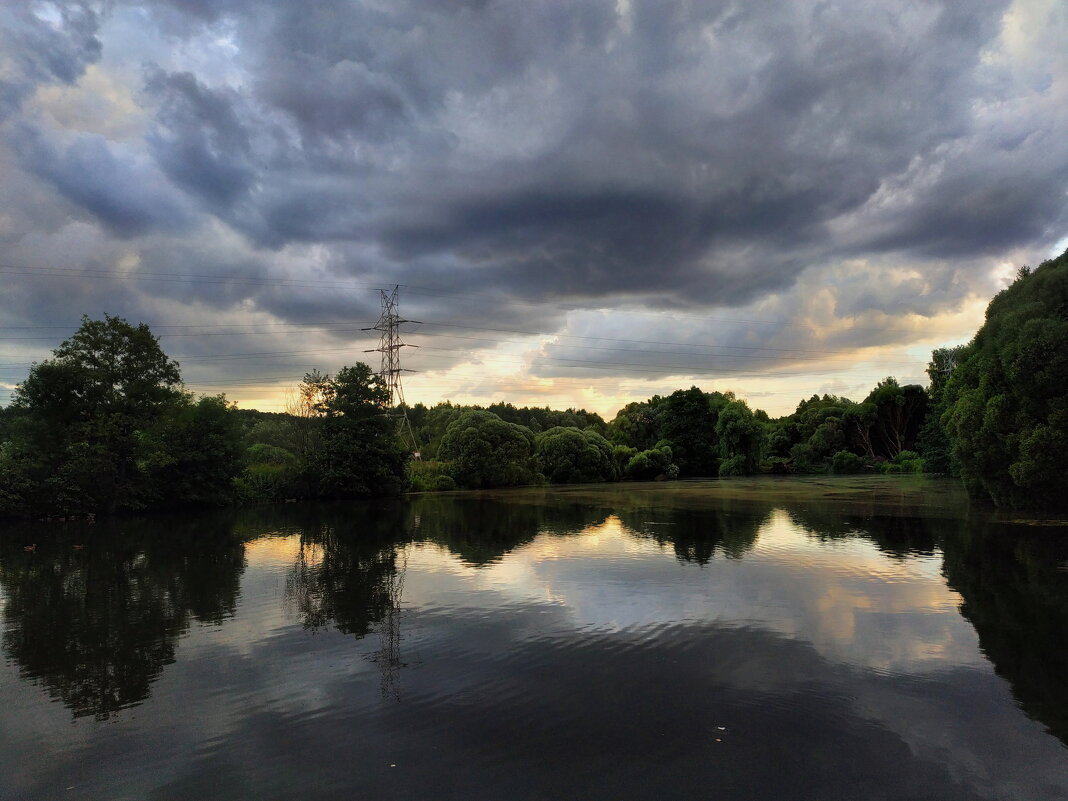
[[847, 170]]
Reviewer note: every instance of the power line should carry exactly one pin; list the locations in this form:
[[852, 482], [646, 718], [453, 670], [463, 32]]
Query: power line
[[664, 343]]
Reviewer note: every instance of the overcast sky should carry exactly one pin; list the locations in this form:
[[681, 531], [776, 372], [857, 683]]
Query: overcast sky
[[585, 202]]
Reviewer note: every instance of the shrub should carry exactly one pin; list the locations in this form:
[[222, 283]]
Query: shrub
[[262, 483], [262, 453], [847, 462], [650, 464], [572, 456], [734, 466], [430, 476], [904, 462], [485, 451]]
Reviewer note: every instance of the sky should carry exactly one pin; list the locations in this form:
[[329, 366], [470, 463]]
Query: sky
[[583, 203]]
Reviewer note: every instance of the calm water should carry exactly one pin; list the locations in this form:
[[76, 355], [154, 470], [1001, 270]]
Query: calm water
[[822, 639]]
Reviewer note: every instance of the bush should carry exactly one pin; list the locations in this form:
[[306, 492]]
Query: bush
[[430, 476], [485, 451], [650, 464], [262, 453], [442, 483], [847, 462], [904, 462], [264, 483], [573, 456], [734, 466]]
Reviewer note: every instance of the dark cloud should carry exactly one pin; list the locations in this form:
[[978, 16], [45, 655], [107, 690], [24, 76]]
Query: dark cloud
[[608, 154], [45, 43], [121, 191], [200, 144]]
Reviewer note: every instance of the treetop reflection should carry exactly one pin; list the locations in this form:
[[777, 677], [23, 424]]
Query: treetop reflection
[[96, 626]]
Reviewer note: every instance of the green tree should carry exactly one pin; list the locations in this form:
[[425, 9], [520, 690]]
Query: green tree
[[1007, 399], [899, 414], [933, 442], [637, 425], [192, 453], [573, 456], [650, 464], [85, 409], [688, 423], [740, 435], [358, 452], [485, 451]]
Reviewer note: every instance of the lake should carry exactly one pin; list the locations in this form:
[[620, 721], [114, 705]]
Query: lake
[[799, 638]]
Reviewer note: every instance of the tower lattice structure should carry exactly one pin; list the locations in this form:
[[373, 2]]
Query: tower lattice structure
[[389, 346]]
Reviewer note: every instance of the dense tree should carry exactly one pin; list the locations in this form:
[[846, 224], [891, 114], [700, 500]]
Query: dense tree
[[192, 453], [485, 451], [688, 425], [740, 434], [539, 419], [572, 456], [933, 442], [1007, 400], [104, 426], [85, 410], [358, 453], [816, 430], [637, 425], [899, 413]]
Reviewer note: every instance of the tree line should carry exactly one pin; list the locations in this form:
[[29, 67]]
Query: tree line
[[106, 425]]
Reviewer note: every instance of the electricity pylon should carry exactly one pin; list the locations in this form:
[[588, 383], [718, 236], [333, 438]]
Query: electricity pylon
[[389, 345]]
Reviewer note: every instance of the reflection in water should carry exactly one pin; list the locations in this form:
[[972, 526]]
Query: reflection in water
[[696, 535], [346, 574], [96, 621], [481, 531], [627, 661], [896, 535], [340, 581], [1015, 590]]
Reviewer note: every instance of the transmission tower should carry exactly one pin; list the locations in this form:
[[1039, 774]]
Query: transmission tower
[[389, 345]]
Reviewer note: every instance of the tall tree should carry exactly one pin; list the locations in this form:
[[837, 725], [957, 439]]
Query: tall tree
[[899, 413], [358, 453], [934, 443], [1007, 400], [86, 406], [741, 437]]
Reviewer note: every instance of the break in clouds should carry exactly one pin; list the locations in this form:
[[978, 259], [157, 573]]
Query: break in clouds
[[850, 170]]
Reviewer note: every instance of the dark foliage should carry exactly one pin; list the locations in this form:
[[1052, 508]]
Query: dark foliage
[[1007, 401]]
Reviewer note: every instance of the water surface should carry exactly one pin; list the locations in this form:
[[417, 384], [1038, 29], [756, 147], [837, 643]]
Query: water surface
[[751, 639]]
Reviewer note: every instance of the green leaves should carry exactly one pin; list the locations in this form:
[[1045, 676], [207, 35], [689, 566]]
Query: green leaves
[[485, 451], [1006, 404], [572, 456]]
